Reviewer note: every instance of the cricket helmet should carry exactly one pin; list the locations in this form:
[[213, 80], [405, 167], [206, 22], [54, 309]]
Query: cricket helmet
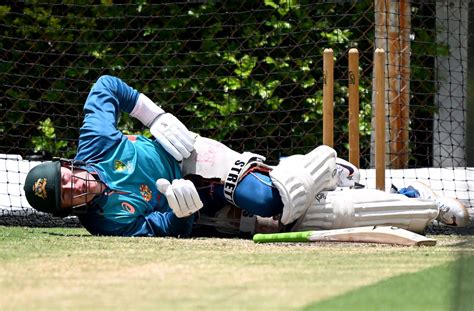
[[43, 188]]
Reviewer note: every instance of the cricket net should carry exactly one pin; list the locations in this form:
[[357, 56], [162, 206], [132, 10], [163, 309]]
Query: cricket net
[[247, 73]]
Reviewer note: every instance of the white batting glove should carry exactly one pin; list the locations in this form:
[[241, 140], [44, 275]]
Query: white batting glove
[[166, 128], [182, 196], [173, 136], [348, 174]]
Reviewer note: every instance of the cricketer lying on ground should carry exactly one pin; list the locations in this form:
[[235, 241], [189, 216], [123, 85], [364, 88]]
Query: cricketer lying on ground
[[303, 182], [131, 166]]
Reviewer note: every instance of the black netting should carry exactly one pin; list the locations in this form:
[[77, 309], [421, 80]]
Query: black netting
[[248, 73]]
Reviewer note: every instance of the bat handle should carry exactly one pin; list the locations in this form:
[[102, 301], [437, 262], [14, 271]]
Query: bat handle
[[282, 237]]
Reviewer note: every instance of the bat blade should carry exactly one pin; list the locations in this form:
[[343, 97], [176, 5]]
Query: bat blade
[[369, 234]]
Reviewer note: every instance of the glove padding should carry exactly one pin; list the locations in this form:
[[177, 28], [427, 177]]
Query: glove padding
[[348, 174], [182, 196], [173, 136]]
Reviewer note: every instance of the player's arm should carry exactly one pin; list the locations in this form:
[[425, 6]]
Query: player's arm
[[159, 224], [183, 200], [165, 224], [99, 133], [107, 99], [171, 133]]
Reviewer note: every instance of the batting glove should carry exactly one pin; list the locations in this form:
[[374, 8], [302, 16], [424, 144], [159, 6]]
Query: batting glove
[[182, 196], [173, 136]]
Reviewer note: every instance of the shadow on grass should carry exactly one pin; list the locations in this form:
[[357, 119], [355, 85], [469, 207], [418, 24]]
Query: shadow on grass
[[446, 287], [75, 235], [445, 230]]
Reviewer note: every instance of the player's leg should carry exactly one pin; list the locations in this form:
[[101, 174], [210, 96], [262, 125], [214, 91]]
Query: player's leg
[[366, 207], [256, 201], [299, 178], [261, 189], [254, 194], [451, 211]]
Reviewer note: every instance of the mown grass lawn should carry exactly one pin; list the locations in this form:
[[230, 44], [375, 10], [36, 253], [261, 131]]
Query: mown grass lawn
[[67, 269]]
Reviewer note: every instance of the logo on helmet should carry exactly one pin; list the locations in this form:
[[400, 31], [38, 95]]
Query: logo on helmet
[[39, 188]]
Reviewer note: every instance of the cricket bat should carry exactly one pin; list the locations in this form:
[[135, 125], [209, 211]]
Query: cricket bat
[[369, 234]]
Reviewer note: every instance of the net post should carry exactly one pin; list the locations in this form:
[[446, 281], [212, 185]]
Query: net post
[[328, 97], [379, 70]]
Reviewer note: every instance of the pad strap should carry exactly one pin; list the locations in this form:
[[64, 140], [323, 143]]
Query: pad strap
[[239, 170]]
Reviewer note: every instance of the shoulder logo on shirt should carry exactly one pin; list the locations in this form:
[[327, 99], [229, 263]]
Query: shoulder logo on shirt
[[128, 207], [146, 192], [119, 166]]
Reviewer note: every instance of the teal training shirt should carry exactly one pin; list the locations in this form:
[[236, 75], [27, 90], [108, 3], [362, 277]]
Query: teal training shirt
[[129, 166]]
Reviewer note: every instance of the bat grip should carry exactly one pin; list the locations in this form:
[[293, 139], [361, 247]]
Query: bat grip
[[282, 237]]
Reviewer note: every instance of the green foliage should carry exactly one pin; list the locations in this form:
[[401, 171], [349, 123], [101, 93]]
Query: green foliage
[[4, 10], [230, 75], [247, 73], [47, 141]]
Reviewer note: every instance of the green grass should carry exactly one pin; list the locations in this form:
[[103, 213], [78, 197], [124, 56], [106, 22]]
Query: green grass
[[445, 287], [67, 269]]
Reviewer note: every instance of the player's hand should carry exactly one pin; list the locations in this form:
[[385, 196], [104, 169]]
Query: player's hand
[[173, 136], [182, 196]]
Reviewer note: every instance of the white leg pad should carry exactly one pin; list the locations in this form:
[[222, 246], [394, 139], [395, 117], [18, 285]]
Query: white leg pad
[[366, 207], [299, 178]]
